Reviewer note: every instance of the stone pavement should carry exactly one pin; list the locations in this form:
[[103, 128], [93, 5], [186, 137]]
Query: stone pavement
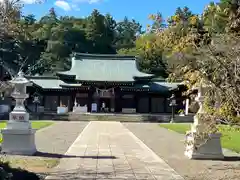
[[57, 138], [108, 150], [170, 146]]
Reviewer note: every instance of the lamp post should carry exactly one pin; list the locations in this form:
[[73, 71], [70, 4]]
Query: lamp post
[[172, 104], [36, 101]]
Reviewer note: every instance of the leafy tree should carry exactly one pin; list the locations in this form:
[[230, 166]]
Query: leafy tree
[[29, 19], [127, 32], [110, 35], [96, 32], [158, 23]]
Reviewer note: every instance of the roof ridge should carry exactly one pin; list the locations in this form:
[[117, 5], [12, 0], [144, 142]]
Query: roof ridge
[[107, 56], [41, 77]]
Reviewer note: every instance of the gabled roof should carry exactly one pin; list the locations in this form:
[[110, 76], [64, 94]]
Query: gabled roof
[[156, 86], [53, 83], [50, 82], [45, 82], [104, 68]]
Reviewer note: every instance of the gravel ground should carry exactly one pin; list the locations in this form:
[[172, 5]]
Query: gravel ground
[[57, 138], [52, 143], [169, 146]]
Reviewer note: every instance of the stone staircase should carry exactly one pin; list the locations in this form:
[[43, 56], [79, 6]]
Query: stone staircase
[[127, 117]]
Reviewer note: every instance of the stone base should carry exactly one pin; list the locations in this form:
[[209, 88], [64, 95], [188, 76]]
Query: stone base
[[22, 125], [210, 150], [18, 141], [18, 120]]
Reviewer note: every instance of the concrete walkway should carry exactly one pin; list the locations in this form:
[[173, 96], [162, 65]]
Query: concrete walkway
[[108, 150]]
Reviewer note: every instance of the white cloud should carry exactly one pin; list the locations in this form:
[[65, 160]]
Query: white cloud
[[68, 5], [93, 1], [75, 7], [63, 4], [87, 1], [29, 1]]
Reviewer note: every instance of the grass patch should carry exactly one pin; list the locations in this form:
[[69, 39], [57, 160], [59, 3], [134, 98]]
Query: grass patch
[[177, 127], [31, 163], [28, 167], [35, 125], [230, 135]]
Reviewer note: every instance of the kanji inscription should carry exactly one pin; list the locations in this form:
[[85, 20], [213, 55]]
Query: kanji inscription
[[18, 117]]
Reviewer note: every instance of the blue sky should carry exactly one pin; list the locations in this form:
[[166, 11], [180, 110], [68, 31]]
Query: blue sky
[[137, 9]]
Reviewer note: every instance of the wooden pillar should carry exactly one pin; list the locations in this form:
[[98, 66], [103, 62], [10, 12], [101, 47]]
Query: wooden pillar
[[149, 103], [136, 100], [58, 100], [90, 99], [112, 104], [69, 103], [72, 100], [118, 100], [43, 100], [165, 105]]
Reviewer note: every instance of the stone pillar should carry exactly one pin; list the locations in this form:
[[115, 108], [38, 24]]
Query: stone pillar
[[18, 136], [186, 106], [210, 146]]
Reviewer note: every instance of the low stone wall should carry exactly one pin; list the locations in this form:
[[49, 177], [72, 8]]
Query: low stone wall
[[49, 116], [111, 117]]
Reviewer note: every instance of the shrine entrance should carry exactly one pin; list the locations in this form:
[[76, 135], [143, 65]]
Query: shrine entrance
[[105, 105], [105, 100]]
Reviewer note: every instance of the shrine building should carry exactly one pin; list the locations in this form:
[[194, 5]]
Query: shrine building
[[110, 79]]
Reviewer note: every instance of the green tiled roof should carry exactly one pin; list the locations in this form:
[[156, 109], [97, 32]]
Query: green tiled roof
[[47, 83], [163, 86], [158, 86], [55, 83], [107, 68]]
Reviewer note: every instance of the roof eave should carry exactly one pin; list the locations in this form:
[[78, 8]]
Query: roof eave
[[107, 56], [145, 77], [65, 74]]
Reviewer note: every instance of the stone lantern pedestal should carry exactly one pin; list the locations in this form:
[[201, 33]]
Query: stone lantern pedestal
[[209, 148], [18, 136]]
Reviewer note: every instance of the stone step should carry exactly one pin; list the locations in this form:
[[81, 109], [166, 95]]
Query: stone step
[[111, 117], [118, 117]]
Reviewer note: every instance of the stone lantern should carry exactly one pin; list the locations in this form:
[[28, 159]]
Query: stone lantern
[[18, 136], [172, 104], [210, 149]]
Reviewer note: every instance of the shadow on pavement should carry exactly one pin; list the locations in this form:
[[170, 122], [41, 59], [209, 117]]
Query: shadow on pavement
[[231, 158], [54, 155], [226, 158], [118, 173]]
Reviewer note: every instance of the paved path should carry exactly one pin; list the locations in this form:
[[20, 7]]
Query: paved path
[[108, 150], [170, 146], [57, 138]]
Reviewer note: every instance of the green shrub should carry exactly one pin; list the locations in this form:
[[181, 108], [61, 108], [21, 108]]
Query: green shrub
[[9, 173], [4, 175]]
